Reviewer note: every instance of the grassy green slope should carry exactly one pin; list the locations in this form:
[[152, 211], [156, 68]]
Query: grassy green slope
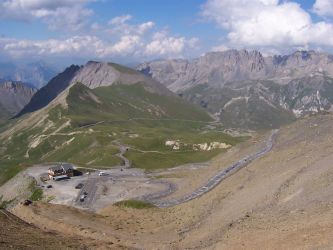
[[243, 106], [121, 102], [89, 131]]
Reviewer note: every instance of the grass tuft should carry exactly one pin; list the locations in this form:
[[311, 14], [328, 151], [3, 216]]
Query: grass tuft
[[36, 192], [134, 204]]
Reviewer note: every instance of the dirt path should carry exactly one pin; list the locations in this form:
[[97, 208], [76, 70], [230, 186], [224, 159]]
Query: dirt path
[[123, 149]]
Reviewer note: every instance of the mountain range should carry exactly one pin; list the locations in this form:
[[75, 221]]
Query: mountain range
[[241, 88], [246, 89], [13, 97], [95, 75], [85, 112]]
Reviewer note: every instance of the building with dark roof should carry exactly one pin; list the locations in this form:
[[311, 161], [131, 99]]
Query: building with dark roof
[[62, 169]]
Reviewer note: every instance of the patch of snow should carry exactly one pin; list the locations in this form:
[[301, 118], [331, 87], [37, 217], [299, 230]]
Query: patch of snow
[[268, 102], [69, 141], [210, 146], [174, 144], [235, 99], [207, 146], [297, 112]]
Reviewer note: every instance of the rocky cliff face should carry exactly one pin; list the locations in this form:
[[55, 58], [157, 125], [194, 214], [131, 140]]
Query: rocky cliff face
[[217, 68], [13, 97], [246, 89], [101, 74], [49, 92], [165, 71], [93, 75]]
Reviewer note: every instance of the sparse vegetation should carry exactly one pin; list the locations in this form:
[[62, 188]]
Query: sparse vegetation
[[134, 204], [152, 161], [123, 69], [4, 204], [36, 192], [50, 198]]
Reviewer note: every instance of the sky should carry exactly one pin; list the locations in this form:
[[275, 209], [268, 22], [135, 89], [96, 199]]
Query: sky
[[132, 31]]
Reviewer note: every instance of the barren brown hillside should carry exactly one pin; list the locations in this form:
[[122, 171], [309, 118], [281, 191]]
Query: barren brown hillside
[[16, 234]]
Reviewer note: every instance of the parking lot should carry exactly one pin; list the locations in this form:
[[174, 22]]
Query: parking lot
[[97, 191]]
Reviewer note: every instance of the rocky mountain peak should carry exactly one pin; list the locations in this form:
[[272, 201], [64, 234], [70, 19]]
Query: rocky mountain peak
[[217, 68], [96, 74], [55, 86], [101, 74], [93, 75], [14, 96], [233, 56], [17, 86]]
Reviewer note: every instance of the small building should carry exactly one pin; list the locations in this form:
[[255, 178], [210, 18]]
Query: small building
[[62, 169]]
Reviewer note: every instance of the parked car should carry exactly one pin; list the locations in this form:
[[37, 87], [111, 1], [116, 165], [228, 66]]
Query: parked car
[[82, 198], [79, 186], [49, 186], [103, 174], [27, 202]]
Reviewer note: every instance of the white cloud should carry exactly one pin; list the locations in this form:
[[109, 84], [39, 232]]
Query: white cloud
[[144, 40], [135, 46], [72, 19], [83, 45], [128, 44], [323, 8], [267, 23], [120, 19], [120, 25], [144, 27], [60, 14], [40, 4], [120, 37], [220, 48], [162, 45]]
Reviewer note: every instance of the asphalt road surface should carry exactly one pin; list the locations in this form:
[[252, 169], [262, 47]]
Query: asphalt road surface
[[169, 189], [215, 180], [90, 188]]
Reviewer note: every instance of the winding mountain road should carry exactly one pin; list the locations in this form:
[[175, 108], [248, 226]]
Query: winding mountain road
[[215, 180], [91, 184]]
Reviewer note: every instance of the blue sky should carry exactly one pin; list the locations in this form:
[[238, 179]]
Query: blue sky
[[137, 30]]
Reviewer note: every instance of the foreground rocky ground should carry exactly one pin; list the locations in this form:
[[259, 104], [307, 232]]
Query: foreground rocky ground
[[17, 234], [281, 201]]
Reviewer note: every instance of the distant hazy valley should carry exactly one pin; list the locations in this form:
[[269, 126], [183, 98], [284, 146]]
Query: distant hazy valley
[[35, 74]]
